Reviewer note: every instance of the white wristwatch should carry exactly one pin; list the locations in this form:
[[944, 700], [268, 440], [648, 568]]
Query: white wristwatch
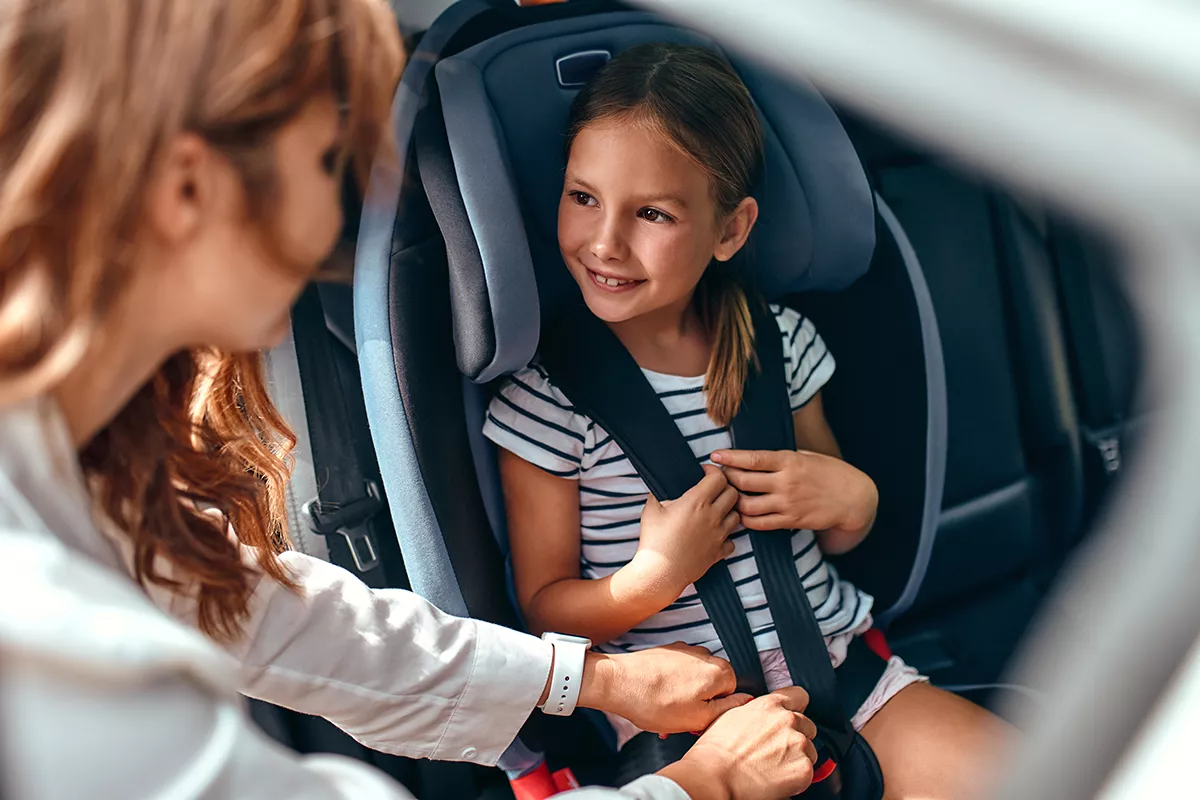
[[567, 675]]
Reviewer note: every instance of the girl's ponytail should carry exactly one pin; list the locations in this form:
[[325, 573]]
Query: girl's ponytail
[[724, 308]]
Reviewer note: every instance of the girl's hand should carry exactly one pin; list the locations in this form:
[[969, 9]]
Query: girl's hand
[[681, 539], [796, 489]]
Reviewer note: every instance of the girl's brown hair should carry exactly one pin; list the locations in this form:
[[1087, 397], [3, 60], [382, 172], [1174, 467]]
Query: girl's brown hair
[[697, 101], [90, 91]]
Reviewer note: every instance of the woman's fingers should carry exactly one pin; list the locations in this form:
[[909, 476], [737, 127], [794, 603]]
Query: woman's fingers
[[731, 523], [805, 726], [810, 750], [793, 698], [720, 705]]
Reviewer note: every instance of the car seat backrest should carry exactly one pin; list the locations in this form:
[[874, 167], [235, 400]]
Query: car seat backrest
[[457, 259], [505, 104]]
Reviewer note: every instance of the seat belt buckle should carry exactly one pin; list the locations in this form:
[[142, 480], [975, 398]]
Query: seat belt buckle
[[826, 781], [349, 520]]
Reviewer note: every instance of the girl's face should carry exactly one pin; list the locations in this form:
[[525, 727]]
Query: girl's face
[[637, 221]]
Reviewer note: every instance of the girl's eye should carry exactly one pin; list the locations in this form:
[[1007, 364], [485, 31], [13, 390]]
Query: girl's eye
[[582, 198], [654, 215]]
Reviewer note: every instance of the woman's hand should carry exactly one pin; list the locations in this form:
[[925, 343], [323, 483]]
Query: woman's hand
[[760, 751], [796, 489], [680, 539], [670, 689]]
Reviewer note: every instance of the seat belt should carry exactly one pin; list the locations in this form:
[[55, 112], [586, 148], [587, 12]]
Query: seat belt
[[347, 500], [764, 422], [593, 369]]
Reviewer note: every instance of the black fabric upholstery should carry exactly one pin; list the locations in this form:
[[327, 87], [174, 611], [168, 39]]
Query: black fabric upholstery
[[1105, 350], [1012, 493], [876, 405]]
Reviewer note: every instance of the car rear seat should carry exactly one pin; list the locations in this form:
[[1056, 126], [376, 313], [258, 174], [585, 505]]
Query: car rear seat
[[1012, 501], [1105, 347]]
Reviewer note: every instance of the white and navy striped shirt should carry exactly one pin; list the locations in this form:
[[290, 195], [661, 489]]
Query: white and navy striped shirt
[[534, 420]]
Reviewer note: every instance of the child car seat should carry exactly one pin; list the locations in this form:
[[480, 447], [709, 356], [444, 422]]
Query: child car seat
[[458, 261]]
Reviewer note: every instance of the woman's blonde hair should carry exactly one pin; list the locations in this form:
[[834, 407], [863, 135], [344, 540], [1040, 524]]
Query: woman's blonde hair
[[693, 96], [90, 91]]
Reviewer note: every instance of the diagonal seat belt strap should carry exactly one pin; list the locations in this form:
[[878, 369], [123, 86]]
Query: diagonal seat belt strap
[[764, 422], [591, 367]]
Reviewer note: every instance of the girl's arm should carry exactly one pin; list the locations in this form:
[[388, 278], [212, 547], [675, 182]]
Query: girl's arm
[[679, 541], [814, 435]]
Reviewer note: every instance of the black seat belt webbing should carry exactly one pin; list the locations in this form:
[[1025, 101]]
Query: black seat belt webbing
[[592, 368], [590, 365], [346, 499], [764, 422]]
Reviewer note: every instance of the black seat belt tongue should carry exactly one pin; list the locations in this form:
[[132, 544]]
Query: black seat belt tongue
[[347, 500], [349, 520]]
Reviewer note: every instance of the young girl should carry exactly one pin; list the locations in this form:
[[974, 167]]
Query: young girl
[[663, 148]]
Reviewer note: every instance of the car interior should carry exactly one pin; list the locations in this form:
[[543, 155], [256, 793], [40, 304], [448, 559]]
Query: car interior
[[988, 359]]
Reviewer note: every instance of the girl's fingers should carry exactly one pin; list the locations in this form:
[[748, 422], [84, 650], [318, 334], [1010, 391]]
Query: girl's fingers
[[748, 481], [767, 522], [757, 505], [755, 460]]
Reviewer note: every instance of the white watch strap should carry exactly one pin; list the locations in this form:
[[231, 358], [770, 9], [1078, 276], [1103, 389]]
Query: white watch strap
[[565, 678]]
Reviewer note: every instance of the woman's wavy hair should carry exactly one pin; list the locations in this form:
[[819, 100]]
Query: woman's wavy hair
[[90, 91]]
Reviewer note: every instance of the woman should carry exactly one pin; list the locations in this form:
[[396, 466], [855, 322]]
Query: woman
[[170, 176]]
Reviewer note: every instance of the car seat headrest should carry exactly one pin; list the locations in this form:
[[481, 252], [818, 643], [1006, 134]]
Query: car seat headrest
[[505, 104]]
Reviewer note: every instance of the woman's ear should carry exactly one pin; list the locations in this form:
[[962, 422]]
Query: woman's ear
[[736, 229], [180, 192]]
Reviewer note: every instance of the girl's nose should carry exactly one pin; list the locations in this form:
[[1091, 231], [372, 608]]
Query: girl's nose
[[608, 243]]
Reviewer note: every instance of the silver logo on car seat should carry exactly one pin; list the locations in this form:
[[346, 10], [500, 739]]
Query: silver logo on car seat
[[577, 69]]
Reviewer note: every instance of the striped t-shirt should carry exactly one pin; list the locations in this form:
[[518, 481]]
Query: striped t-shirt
[[534, 420]]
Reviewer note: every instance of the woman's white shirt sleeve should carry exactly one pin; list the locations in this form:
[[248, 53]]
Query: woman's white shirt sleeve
[[384, 665], [101, 695]]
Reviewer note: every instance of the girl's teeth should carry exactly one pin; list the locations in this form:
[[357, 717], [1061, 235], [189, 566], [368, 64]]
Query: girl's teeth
[[609, 281]]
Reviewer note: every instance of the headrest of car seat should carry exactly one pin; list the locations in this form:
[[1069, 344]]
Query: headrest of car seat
[[505, 104]]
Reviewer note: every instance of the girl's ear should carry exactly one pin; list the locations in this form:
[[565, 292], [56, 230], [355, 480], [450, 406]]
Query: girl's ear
[[736, 229]]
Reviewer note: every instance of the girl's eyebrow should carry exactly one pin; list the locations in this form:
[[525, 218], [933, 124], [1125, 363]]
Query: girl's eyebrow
[[666, 198], [658, 198], [582, 183]]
